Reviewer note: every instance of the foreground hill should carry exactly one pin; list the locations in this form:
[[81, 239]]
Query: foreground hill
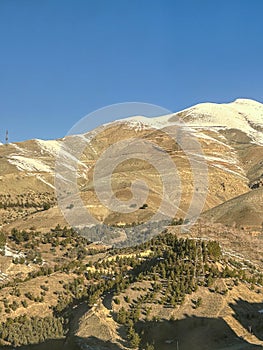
[[244, 210], [152, 296]]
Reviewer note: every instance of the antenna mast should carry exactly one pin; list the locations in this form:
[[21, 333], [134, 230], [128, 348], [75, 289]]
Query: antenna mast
[[6, 137]]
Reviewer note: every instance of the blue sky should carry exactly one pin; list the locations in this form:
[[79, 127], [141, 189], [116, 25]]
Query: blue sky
[[62, 59]]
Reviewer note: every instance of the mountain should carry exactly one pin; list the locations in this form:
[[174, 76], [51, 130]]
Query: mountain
[[199, 287], [230, 136]]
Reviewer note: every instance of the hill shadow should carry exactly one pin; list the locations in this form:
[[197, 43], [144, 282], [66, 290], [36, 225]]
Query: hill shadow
[[56, 344], [249, 316], [93, 343], [191, 332], [76, 343], [195, 333]]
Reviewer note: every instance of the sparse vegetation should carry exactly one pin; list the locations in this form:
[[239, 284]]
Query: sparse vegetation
[[159, 273]]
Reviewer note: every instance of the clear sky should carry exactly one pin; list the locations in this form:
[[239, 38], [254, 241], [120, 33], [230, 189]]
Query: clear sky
[[62, 59]]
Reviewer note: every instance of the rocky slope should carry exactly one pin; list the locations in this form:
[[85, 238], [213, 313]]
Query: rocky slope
[[230, 136]]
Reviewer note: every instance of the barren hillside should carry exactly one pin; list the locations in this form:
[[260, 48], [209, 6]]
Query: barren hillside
[[230, 136]]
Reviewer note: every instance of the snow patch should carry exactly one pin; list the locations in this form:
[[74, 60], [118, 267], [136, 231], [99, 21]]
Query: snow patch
[[21, 150], [28, 164], [52, 147], [58, 150], [139, 123], [45, 181], [222, 167], [243, 115], [13, 253], [224, 164]]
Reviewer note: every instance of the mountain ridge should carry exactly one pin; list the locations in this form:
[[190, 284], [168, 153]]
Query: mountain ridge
[[230, 136]]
